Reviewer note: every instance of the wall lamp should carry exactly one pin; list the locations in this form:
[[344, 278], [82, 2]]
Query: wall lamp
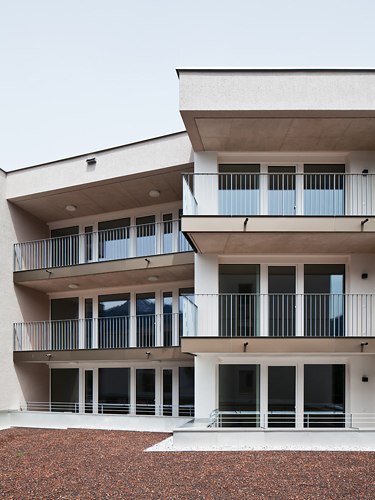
[[91, 161], [48, 355], [246, 221], [148, 354], [245, 344], [363, 345]]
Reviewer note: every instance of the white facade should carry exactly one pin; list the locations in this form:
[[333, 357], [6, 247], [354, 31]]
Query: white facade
[[273, 186]]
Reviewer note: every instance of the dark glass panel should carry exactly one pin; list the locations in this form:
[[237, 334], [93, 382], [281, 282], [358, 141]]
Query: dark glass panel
[[88, 391], [64, 389], [113, 323], [65, 246], [113, 224], [145, 391], [167, 392], [239, 300], [281, 300], [324, 395], [64, 327], [88, 323], [167, 318], [114, 390], [113, 239], [186, 391], [281, 396], [64, 308], [88, 243], [239, 391]]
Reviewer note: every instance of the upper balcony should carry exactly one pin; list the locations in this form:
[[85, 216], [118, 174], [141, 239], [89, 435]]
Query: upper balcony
[[47, 264], [284, 212]]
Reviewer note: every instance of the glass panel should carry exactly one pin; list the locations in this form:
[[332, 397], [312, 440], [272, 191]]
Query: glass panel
[[167, 392], [281, 191], [114, 239], [88, 323], [114, 390], [324, 300], [167, 319], [64, 389], [281, 396], [184, 292], [324, 189], [113, 322], [186, 391], [239, 395], [145, 310], [167, 233], [64, 326], [88, 391], [65, 246], [238, 189], [239, 300], [324, 395], [281, 301], [88, 243], [145, 391], [146, 240]]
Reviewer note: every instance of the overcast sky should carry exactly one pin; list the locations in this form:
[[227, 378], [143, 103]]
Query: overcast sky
[[79, 76]]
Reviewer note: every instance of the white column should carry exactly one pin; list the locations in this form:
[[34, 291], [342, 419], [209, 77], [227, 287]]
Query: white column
[[205, 385], [133, 321], [263, 308], [299, 189], [95, 389], [206, 281], [206, 186], [263, 189], [158, 391], [159, 323], [175, 391], [133, 399], [300, 300], [264, 395]]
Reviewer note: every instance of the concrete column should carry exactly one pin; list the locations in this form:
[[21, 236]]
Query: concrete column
[[206, 186], [206, 271], [205, 386]]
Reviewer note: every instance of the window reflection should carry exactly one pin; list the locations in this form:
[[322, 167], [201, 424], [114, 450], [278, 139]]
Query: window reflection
[[113, 322]]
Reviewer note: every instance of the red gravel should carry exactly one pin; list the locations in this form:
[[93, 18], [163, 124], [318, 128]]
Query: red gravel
[[80, 464]]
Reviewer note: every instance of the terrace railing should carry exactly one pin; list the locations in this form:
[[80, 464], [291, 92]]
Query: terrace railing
[[112, 244], [151, 330], [284, 315], [284, 194], [113, 408]]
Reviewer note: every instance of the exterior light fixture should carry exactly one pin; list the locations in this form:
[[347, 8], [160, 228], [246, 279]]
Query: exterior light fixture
[[363, 345], [245, 344], [71, 208], [48, 355], [154, 193], [364, 276], [153, 278], [91, 161], [73, 285]]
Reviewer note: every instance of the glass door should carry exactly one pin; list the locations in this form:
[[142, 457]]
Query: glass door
[[145, 391], [282, 301], [281, 191], [281, 396]]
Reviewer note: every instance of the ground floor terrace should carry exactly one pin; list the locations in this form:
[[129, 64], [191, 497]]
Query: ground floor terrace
[[79, 463]]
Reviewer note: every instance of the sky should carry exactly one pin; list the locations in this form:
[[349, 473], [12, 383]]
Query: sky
[[78, 76]]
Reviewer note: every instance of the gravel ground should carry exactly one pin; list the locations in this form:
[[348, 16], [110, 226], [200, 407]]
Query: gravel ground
[[78, 464]]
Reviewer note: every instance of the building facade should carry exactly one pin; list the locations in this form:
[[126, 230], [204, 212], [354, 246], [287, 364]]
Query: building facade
[[225, 273]]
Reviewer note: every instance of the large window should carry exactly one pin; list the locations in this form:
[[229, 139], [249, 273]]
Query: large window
[[239, 300], [113, 323], [114, 239], [64, 389], [324, 300], [282, 301], [239, 189], [324, 190], [324, 395], [239, 394], [145, 392], [186, 391], [146, 320], [65, 246], [64, 326], [281, 191], [114, 390]]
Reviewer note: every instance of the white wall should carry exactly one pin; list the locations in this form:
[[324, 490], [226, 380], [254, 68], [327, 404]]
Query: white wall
[[205, 386], [361, 264], [206, 288]]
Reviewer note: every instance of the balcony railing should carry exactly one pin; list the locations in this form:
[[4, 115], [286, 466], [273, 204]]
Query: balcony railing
[[282, 419], [110, 408], [151, 330], [283, 194], [284, 315], [112, 244]]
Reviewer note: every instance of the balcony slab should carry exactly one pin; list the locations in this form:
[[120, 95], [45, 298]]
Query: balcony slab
[[272, 345], [130, 354], [124, 272], [292, 235]]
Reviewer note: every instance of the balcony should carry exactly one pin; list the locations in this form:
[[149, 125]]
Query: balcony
[[221, 323], [221, 210], [120, 332], [158, 238]]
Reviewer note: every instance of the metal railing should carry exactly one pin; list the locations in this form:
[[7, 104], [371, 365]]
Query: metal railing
[[115, 408], [151, 330], [290, 419], [286, 194], [284, 315], [112, 244]]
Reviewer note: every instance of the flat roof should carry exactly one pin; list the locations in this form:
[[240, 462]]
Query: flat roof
[[236, 68]]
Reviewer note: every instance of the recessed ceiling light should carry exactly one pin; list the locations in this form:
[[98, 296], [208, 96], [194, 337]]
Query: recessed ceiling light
[[154, 193], [71, 208], [153, 278], [73, 285]]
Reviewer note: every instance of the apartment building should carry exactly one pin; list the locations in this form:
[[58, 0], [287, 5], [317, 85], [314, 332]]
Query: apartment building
[[224, 274]]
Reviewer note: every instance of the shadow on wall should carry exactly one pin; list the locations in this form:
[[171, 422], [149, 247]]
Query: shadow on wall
[[26, 226], [33, 379]]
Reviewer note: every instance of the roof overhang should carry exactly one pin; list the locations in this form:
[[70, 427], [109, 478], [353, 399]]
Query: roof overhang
[[278, 110]]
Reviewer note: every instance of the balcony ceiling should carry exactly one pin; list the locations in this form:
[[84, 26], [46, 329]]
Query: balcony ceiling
[[97, 198]]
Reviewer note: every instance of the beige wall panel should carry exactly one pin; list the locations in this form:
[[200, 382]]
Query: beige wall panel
[[34, 381]]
